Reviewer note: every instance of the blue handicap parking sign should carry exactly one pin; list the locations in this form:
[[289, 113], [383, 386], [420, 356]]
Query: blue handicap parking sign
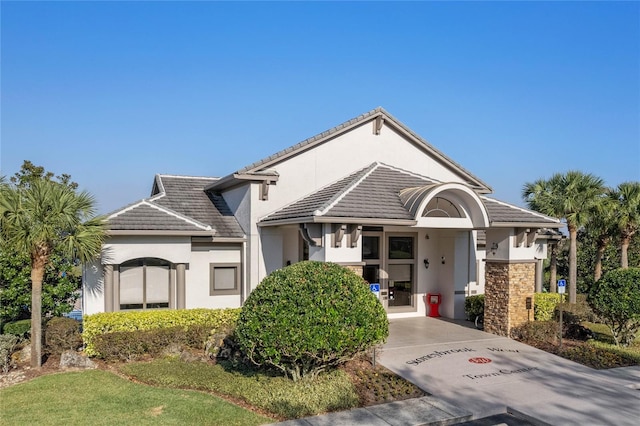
[[562, 285], [374, 287]]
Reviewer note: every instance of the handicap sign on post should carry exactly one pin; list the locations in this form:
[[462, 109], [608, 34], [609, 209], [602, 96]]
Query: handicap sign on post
[[562, 286], [375, 288]]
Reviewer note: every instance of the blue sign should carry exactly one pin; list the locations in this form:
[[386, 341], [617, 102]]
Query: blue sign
[[374, 287], [562, 286]]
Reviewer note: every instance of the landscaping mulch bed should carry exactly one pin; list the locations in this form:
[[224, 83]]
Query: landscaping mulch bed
[[584, 353], [377, 385]]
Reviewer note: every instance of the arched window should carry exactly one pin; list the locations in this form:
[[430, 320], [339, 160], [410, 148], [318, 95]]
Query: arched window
[[144, 284], [441, 207]]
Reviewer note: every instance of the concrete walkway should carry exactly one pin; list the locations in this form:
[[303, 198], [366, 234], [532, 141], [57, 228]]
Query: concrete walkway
[[473, 375], [487, 374]]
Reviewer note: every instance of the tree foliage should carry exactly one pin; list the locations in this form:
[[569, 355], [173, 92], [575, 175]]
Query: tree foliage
[[308, 317], [41, 217], [60, 286], [626, 202], [616, 299], [570, 196]]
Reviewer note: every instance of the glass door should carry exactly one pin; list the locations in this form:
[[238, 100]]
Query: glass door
[[400, 267]]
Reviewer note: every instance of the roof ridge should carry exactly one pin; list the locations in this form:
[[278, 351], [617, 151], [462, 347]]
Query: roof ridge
[[353, 183], [187, 176], [535, 213], [410, 173]]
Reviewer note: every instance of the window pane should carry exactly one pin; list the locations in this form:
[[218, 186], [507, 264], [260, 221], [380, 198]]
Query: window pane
[[400, 272], [224, 278], [400, 247], [370, 247], [400, 285], [131, 287], [157, 284]]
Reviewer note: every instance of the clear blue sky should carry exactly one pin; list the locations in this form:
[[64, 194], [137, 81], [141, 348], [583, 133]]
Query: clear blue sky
[[115, 92]]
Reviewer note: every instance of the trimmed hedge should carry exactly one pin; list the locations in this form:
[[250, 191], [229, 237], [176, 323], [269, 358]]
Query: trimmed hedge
[[129, 345], [21, 328], [110, 322], [544, 305], [62, 334], [537, 332]]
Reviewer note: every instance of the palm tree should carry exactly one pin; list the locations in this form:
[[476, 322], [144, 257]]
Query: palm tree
[[538, 196], [43, 217], [603, 226], [569, 196], [626, 198]]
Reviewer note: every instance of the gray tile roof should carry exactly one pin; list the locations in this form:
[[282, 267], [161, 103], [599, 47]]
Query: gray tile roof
[[374, 193], [501, 212], [179, 203], [146, 216], [260, 165]]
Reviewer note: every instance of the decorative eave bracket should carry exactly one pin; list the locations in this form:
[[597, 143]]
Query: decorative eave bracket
[[312, 233], [338, 234], [525, 236], [377, 125], [354, 234]]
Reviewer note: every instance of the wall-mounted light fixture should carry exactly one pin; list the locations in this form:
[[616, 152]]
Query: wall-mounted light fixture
[[443, 260], [426, 236], [426, 263], [494, 248]]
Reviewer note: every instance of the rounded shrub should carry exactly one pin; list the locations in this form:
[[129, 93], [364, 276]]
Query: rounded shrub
[[62, 334], [615, 298], [474, 306], [308, 317]]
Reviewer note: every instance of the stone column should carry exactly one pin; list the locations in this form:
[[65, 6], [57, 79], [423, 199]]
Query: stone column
[[507, 286]]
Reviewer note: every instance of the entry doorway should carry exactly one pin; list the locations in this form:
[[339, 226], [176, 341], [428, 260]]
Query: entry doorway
[[390, 260]]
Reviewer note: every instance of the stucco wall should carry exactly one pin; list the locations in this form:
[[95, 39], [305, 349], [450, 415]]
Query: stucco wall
[[198, 277]]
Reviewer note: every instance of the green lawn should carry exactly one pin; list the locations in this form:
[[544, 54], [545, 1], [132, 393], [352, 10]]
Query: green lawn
[[101, 398], [332, 391]]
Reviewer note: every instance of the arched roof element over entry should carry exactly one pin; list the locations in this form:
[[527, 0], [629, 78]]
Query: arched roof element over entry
[[445, 205]]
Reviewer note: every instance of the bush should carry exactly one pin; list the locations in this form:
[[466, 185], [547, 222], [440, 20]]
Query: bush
[[544, 305], [474, 306], [575, 313], [8, 344], [62, 334], [615, 298], [308, 317], [21, 328], [129, 345], [536, 332], [110, 322]]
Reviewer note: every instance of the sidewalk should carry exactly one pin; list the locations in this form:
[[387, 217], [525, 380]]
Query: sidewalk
[[472, 375], [487, 374]]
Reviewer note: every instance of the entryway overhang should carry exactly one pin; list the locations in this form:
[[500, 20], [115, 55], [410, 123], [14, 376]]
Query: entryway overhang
[[445, 205]]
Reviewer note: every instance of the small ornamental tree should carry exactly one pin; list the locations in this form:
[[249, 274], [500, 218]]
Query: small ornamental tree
[[616, 299], [308, 317]]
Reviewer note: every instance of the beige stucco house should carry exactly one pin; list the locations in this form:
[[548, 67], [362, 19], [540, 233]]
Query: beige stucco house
[[369, 193]]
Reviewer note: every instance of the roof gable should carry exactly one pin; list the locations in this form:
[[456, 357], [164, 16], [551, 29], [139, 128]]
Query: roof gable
[[179, 203], [146, 216], [378, 117], [375, 193]]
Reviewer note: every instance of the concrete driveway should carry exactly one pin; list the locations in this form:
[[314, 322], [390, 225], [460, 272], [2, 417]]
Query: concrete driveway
[[488, 374]]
